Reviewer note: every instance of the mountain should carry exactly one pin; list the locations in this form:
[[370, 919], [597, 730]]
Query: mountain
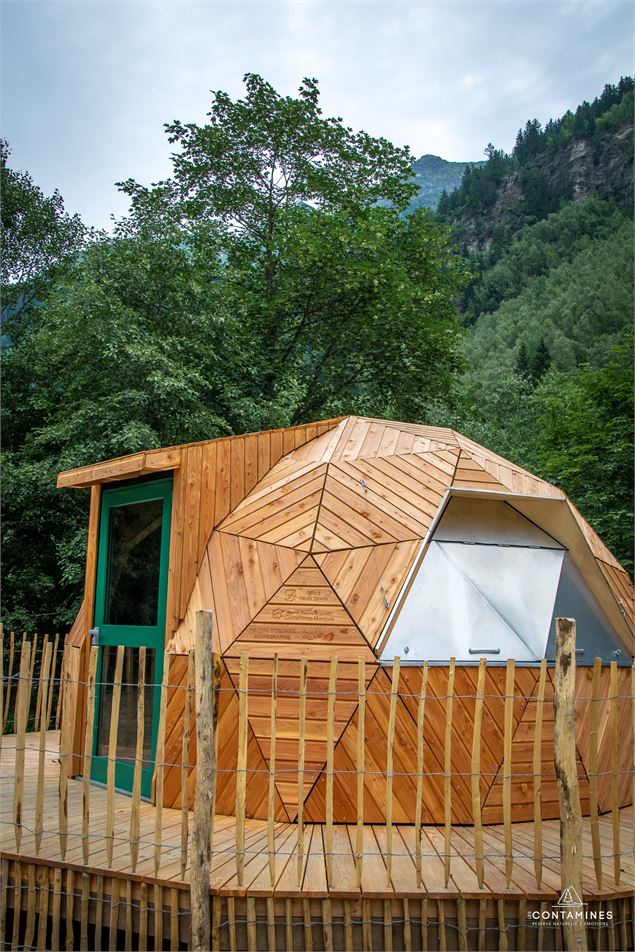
[[547, 233], [434, 176], [582, 154]]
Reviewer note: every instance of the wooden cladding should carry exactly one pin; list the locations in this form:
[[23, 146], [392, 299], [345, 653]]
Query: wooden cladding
[[447, 752], [213, 478], [299, 541]]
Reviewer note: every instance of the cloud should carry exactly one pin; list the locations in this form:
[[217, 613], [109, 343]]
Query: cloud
[[87, 86]]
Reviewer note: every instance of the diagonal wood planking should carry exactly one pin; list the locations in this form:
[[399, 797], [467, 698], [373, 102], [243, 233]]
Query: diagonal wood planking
[[405, 766], [287, 720], [257, 768], [368, 581], [237, 577], [522, 766]]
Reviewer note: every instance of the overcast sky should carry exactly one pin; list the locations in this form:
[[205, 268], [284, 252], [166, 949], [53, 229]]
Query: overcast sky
[[88, 84]]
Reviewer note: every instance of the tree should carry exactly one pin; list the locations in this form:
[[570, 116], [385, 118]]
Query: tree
[[541, 362], [319, 267], [225, 302], [522, 360], [37, 235], [126, 353]]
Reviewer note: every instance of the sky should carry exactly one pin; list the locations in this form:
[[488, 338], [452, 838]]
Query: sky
[[88, 84]]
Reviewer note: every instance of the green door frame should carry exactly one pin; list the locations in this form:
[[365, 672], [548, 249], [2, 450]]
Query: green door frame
[[152, 636]]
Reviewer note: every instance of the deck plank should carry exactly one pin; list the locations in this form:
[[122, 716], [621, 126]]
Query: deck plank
[[223, 878]]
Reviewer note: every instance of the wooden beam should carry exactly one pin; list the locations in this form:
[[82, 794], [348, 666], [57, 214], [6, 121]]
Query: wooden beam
[[567, 775], [123, 467], [205, 781]]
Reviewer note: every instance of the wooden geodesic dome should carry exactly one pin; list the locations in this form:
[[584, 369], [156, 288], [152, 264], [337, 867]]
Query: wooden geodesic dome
[[371, 539]]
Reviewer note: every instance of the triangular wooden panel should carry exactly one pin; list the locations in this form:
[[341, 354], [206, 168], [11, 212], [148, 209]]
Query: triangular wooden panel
[[507, 474], [622, 588], [368, 581], [482, 453], [624, 738], [522, 786], [473, 475], [368, 439], [318, 620], [306, 598], [404, 766], [409, 488], [405, 505], [212, 480], [375, 502], [236, 578], [284, 512], [287, 717], [227, 727]]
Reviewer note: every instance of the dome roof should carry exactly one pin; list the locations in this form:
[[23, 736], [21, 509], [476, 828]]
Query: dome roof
[[376, 539], [315, 558]]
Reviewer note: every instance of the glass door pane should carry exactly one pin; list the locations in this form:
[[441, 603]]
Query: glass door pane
[[134, 564]]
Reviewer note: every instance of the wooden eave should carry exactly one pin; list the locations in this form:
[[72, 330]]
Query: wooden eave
[[124, 467]]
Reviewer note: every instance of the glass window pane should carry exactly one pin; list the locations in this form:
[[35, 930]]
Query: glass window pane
[[519, 584], [134, 560], [445, 616], [127, 730]]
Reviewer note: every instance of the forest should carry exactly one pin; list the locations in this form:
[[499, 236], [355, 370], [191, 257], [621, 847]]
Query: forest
[[275, 277]]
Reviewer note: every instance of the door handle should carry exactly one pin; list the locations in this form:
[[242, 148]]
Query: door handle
[[94, 635]]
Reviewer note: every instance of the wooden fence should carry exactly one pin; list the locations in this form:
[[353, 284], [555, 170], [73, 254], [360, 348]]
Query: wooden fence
[[38, 691]]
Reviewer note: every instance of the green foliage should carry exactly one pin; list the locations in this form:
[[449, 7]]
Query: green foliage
[[614, 105], [479, 187], [539, 248], [262, 155], [579, 307], [436, 179], [36, 234], [618, 113], [574, 429], [261, 286], [541, 362], [584, 431]]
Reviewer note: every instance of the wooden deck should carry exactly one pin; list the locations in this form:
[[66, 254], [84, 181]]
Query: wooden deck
[[257, 881]]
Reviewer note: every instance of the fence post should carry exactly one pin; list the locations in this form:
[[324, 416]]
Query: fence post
[[567, 775], [205, 782]]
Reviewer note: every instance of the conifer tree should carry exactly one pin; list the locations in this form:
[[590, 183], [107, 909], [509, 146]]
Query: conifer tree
[[542, 360], [522, 361]]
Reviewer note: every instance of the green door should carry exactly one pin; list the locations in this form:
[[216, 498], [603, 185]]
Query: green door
[[130, 606]]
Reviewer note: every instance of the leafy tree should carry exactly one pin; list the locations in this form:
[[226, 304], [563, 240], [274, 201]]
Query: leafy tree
[[36, 233], [262, 285], [123, 356]]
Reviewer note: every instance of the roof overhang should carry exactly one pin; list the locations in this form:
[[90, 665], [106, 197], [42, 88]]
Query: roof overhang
[[125, 467]]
